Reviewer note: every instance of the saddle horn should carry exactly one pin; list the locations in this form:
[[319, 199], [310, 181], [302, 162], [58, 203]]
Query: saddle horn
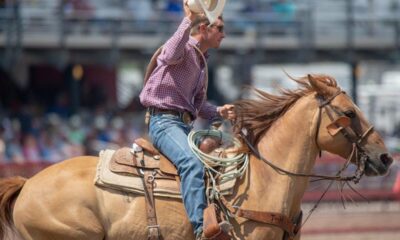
[[212, 8]]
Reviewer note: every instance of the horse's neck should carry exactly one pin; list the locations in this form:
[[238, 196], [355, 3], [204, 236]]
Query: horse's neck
[[289, 144]]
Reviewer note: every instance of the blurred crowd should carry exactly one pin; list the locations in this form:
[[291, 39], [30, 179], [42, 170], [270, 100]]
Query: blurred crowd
[[34, 135]]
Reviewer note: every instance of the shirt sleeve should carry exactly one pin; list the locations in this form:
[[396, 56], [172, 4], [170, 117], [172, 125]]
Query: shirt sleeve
[[209, 111], [174, 49], [206, 109]]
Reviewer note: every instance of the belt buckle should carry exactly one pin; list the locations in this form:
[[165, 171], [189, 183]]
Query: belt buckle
[[186, 117]]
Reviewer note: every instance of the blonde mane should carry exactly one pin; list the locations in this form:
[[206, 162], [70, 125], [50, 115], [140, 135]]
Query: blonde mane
[[258, 115]]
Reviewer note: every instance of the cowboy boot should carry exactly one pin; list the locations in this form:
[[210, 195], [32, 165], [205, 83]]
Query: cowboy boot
[[219, 233]]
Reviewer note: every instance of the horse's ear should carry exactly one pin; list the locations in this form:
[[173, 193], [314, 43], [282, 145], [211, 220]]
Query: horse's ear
[[321, 87]]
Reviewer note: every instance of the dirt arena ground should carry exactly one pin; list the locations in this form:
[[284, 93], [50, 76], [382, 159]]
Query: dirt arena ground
[[374, 220]]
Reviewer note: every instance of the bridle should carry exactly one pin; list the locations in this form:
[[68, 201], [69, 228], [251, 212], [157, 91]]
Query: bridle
[[348, 132], [291, 230], [289, 227]]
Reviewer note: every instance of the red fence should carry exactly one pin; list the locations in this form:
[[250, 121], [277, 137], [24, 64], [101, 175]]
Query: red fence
[[27, 169]]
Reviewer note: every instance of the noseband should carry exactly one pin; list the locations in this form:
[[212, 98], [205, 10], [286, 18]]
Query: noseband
[[348, 132]]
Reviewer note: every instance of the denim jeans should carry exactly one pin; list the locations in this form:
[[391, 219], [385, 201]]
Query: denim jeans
[[169, 134]]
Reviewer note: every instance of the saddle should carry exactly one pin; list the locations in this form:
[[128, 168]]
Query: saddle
[[145, 161], [127, 161]]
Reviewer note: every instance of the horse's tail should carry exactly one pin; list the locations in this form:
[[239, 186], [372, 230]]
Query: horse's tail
[[9, 190]]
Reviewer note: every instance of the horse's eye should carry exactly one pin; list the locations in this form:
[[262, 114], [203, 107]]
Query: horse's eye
[[350, 114]]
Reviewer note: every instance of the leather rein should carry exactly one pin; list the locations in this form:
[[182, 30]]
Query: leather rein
[[348, 132], [292, 227]]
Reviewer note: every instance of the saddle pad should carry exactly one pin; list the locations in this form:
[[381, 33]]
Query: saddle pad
[[106, 178], [128, 183]]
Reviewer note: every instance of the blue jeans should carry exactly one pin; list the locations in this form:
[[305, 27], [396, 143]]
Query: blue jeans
[[169, 134]]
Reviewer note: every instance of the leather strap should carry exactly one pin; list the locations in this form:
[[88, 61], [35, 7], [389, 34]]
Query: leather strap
[[210, 225], [298, 223], [276, 219], [153, 227], [212, 229], [185, 116], [151, 66]]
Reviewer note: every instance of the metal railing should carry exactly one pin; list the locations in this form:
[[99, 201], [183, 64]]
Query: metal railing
[[307, 26]]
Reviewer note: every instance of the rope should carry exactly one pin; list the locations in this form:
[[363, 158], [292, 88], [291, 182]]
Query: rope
[[222, 168]]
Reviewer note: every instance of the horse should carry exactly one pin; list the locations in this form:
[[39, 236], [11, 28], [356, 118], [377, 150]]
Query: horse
[[287, 130]]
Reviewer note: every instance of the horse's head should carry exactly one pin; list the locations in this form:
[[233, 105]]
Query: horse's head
[[343, 129]]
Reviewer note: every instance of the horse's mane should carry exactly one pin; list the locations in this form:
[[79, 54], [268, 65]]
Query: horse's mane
[[258, 115]]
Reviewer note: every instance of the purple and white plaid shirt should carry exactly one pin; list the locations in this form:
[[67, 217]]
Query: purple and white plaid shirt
[[178, 81]]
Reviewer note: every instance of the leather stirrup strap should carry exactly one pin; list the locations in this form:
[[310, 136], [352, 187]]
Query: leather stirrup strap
[[153, 227], [276, 219]]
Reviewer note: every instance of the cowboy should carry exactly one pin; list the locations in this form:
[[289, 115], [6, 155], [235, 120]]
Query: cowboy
[[175, 95]]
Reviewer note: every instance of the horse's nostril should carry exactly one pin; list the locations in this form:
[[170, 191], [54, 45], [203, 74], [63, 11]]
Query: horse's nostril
[[386, 159]]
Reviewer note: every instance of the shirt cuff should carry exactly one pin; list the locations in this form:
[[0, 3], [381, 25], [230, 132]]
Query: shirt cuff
[[187, 21], [216, 116]]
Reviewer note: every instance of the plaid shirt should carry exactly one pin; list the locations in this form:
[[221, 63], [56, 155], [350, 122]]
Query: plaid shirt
[[178, 81]]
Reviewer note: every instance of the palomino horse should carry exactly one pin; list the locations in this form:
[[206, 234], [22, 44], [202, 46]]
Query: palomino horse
[[290, 129]]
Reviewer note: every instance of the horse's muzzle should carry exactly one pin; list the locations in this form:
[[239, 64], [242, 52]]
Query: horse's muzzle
[[380, 166], [386, 159]]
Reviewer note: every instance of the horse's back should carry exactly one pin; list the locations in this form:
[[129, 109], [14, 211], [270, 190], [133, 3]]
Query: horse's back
[[62, 202]]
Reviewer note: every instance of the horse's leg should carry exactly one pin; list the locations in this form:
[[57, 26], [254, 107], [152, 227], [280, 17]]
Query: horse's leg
[[60, 203]]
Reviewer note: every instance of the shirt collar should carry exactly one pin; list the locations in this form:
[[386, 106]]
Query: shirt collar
[[195, 42]]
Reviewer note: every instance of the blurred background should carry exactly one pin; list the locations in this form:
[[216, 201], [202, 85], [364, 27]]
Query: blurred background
[[71, 72]]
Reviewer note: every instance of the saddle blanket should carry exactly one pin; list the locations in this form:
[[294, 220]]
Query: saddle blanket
[[134, 184]]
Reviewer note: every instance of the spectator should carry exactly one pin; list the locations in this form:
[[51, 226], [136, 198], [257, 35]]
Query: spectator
[[141, 10], [14, 151], [251, 6], [174, 6], [116, 132], [51, 147], [79, 7], [285, 9], [79, 10], [76, 133], [30, 149]]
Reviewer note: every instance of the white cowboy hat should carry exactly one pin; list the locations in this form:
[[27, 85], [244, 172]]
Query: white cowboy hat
[[212, 8]]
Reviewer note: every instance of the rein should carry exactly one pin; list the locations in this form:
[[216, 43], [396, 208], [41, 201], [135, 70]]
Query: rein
[[291, 229], [358, 150], [292, 226], [361, 157]]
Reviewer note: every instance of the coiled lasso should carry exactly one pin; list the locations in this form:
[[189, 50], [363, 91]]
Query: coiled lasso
[[221, 168]]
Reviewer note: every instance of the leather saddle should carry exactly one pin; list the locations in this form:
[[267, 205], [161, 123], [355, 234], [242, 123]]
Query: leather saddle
[[126, 161], [147, 162]]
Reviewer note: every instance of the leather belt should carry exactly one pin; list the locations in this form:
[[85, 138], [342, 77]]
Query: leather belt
[[185, 116]]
